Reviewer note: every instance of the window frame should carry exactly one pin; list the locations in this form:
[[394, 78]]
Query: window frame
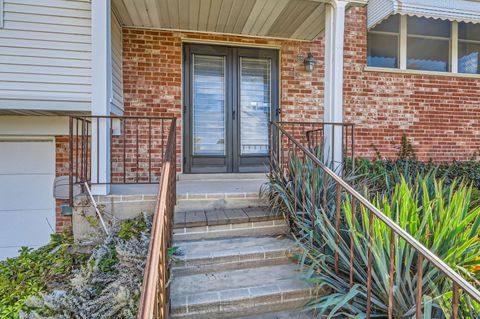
[[398, 35], [402, 55], [458, 50], [429, 37]]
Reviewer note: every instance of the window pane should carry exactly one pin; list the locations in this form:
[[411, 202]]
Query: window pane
[[469, 31], [255, 87], [382, 50], [392, 24], [208, 105], [428, 54], [429, 27], [469, 58]]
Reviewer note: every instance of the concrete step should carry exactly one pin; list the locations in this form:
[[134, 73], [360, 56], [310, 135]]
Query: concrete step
[[231, 253], [291, 314], [209, 224], [235, 293]]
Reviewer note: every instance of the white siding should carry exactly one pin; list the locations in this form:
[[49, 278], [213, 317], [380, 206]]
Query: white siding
[[1, 13], [117, 73], [45, 55]]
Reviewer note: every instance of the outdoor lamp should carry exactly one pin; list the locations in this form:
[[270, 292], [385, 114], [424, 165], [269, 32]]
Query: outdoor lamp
[[309, 63]]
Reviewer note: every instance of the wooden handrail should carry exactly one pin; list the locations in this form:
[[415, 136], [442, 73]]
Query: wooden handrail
[[154, 296]]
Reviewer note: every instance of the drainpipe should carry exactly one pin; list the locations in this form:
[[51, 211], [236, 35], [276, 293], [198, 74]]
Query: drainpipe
[[101, 92], [333, 112]]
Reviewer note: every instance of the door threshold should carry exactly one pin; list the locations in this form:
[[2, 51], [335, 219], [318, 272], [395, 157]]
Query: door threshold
[[221, 176]]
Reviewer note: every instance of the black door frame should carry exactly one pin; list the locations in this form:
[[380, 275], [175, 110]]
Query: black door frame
[[232, 161]]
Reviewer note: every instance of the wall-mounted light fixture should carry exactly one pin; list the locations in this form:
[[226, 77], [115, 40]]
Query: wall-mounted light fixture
[[308, 62]]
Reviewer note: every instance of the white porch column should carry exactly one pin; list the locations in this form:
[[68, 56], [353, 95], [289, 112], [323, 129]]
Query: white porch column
[[101, 90], [333, 112]]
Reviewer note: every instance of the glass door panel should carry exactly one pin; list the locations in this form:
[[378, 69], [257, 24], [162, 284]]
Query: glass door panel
[[255, 105], [209, 97], [230, 95]]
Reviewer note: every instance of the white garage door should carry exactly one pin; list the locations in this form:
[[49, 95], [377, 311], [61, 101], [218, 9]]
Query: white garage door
[[27, 206]]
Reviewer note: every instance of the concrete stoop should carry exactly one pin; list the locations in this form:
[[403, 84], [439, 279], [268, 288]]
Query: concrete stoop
[[233, 264]]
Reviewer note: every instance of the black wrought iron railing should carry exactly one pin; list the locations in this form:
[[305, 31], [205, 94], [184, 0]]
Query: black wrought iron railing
[[135, 145], [320, 138]]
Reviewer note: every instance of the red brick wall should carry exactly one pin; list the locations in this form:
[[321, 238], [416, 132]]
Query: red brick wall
[[439, 114], [62, 223], [152, 75]]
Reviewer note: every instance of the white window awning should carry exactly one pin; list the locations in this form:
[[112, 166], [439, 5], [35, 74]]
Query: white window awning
[[453, 10]]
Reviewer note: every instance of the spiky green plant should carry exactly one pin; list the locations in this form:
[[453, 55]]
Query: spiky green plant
[[440, 217]]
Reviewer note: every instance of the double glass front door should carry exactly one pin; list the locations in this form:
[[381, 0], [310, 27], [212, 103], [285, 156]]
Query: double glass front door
[[230, 96]]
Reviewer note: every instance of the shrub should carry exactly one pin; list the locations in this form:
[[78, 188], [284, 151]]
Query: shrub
[[445, 225], [383, 174], [34, 271], [56, 282], [109, 284], [437, 213]]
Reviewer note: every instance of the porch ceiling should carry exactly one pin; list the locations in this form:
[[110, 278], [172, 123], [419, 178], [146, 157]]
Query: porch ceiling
[[291, 19]]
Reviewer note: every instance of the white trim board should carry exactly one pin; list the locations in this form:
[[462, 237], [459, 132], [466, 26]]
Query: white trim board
[[420, 72], [33, 125]]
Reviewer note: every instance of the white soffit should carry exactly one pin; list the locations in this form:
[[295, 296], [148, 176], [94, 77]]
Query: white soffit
[[453, 10], [291, 19]]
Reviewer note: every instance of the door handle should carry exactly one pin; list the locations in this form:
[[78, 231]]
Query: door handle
[[233, 114]]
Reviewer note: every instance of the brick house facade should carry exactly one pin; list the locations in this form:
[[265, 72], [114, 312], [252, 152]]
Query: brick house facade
[[435, 110], [437, 113]]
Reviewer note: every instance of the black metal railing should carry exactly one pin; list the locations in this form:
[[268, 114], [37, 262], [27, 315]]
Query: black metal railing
[[135, 147], [320, 138]]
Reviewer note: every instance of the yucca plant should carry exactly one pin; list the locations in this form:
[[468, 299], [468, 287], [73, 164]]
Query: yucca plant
[[439, 217]]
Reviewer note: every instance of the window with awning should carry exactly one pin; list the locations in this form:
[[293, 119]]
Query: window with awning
[[424, 40], [467, 11]]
